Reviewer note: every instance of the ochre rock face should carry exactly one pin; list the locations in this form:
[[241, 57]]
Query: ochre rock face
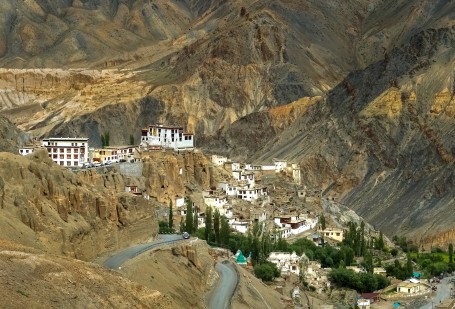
[[166, 174], [59, 211]]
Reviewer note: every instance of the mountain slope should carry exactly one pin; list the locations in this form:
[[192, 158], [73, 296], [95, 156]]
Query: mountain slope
[[382, 141]]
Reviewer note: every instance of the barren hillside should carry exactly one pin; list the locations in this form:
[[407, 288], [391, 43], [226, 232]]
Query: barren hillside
[[360, 92], [30, 278]]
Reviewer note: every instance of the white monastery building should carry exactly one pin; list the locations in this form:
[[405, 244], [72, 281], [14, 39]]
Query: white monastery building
[[67, 151], [162, 136]]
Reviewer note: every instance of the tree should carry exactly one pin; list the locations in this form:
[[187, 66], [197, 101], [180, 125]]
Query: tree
[[225, 231], [409, 269], [131, 139], [394, 252], [208, 223], [171, 219], [105, 139], [266, 271], [323, 223], [189, 216], [380, 242], [195, 220], [450, 253], [216, 225]]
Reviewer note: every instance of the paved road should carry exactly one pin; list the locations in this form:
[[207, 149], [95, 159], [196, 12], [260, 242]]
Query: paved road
[[442, 293], [115, 261], [221, 296]]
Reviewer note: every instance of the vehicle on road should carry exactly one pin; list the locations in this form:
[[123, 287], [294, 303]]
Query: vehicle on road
[[185, 235]]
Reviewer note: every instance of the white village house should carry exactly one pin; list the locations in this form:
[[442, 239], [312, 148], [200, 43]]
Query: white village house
[[160, 136], [67, 151], [219, 160], [287, 262]]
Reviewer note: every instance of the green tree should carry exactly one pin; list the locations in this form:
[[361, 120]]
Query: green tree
[[216, 225], [266, 271], [105, 139], [195, 220], [225, 231], [322, 220], [380, 242], [131, 139], [369, 263], [171, 218], [450, 253], [208, 223], [409, 268], [189, 216]]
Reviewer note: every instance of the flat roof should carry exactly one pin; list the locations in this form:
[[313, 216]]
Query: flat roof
[[66, 139]]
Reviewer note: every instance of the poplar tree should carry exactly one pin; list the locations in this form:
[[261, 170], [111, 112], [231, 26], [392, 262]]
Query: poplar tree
[[195, 220], [208, 223], [189, 216], [225, 231], [216, 225], [171, 219]]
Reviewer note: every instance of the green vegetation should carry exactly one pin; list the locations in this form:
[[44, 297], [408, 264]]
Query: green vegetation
[[189, 217], [208, 224], [266, 271], [105, 139], [216, 226], [163, 228], [361, 282], [171, 218]]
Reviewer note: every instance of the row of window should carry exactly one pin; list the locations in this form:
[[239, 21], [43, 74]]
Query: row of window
[[62, 156], [56, 144], [67, 150]]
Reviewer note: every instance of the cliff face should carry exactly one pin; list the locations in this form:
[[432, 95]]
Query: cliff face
[[381, 142], [47, 207], [85, 214], [11, 138], [168, 175]]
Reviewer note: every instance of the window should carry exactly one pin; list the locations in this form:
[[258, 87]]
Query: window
[[68, 156], [61, 162], [54, 149], [62, 156], [54, 156], [76, 156], [68, 163]]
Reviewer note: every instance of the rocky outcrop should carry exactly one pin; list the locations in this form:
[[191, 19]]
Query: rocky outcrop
[[48, 207], [184, 272], [11, 138], [168, 174]]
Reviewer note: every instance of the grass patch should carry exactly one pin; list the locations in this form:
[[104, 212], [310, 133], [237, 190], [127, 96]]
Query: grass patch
[[22, 293]]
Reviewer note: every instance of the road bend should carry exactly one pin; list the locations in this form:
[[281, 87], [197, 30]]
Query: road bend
[[225, 288], [117, 260]]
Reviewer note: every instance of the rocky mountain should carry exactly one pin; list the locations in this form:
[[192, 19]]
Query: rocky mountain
[[359, 92], [10, 136], [83, 215]]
